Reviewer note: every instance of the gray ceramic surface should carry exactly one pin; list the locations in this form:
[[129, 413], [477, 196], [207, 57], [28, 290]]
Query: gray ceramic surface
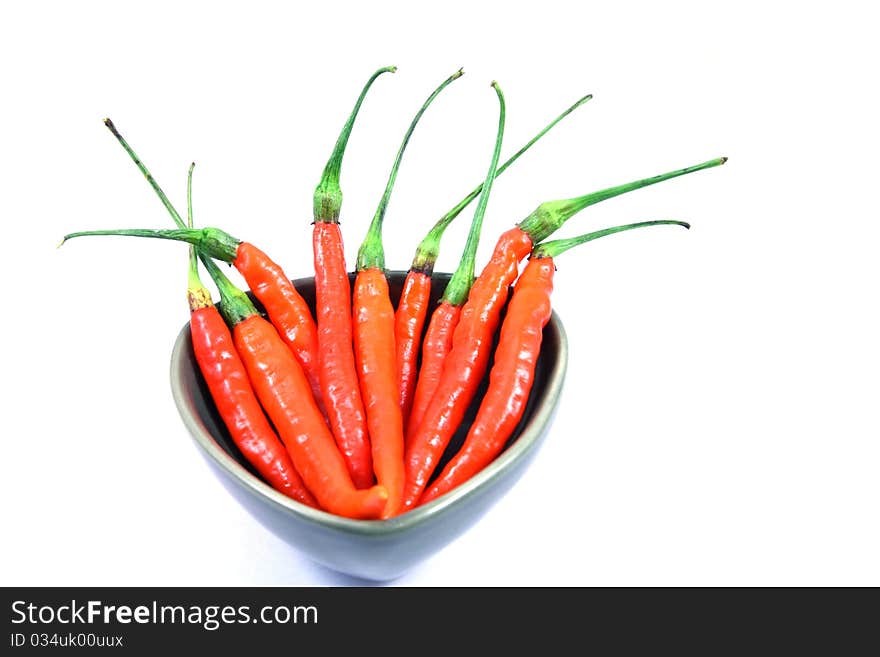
[[373, 549]]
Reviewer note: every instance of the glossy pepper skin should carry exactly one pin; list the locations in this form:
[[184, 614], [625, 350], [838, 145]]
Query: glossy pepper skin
[[510, 380], [374, 340], [409, 323], [435, 349], [338, 373], [287, 310], [373, 322], [237, 405], [465, 364], [284, 392]]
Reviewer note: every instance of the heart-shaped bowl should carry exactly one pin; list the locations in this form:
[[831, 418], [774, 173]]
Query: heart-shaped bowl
[[378, 550]]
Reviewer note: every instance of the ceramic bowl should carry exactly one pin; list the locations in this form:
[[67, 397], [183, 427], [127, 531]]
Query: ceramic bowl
[[373, 549]]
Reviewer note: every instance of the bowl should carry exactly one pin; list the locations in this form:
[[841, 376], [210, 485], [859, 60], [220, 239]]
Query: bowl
[[378, 550]]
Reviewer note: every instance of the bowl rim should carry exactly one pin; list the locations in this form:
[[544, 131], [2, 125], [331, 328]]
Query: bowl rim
[[527, 439]]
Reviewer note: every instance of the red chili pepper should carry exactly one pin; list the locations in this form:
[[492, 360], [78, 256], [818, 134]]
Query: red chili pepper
[[467, 361], [375, 356], [435, 348], [339, 381], [236, 404], [373, 322], [409, 323], [445, 317], [342, 395], [513, 367], [228, 383], [287, 310], [412, 309]]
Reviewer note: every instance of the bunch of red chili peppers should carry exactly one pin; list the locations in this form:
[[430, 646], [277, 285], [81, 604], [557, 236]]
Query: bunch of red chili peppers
[[351, 410]]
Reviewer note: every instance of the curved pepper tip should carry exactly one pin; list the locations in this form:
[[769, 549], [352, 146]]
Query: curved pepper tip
[[379, 502]]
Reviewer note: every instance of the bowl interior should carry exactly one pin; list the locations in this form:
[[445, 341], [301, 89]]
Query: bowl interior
[[548, 378]]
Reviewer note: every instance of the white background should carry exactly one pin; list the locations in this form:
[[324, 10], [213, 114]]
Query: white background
[[719, 424]]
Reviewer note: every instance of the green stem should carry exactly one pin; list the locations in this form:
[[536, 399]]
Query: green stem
[[208, 243], [459, 285], [235, 305], [140, 165], [328, 195], [549, 216], [198, 295], [219, 243], [554, 248], [371, 253], [429, 248], [194, 281], [189, 195], [212, 242]]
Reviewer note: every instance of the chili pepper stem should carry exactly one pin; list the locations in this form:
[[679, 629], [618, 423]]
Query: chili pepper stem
[[328, 194], [459, 285], [429, 248], [213, 242], [235, 305], [556, 247], [206, 243], [198, 295], [550, 215], [140, 165], [372, 253]]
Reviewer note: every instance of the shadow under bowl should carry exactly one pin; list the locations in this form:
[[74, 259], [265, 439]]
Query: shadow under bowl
[[378, 550]]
